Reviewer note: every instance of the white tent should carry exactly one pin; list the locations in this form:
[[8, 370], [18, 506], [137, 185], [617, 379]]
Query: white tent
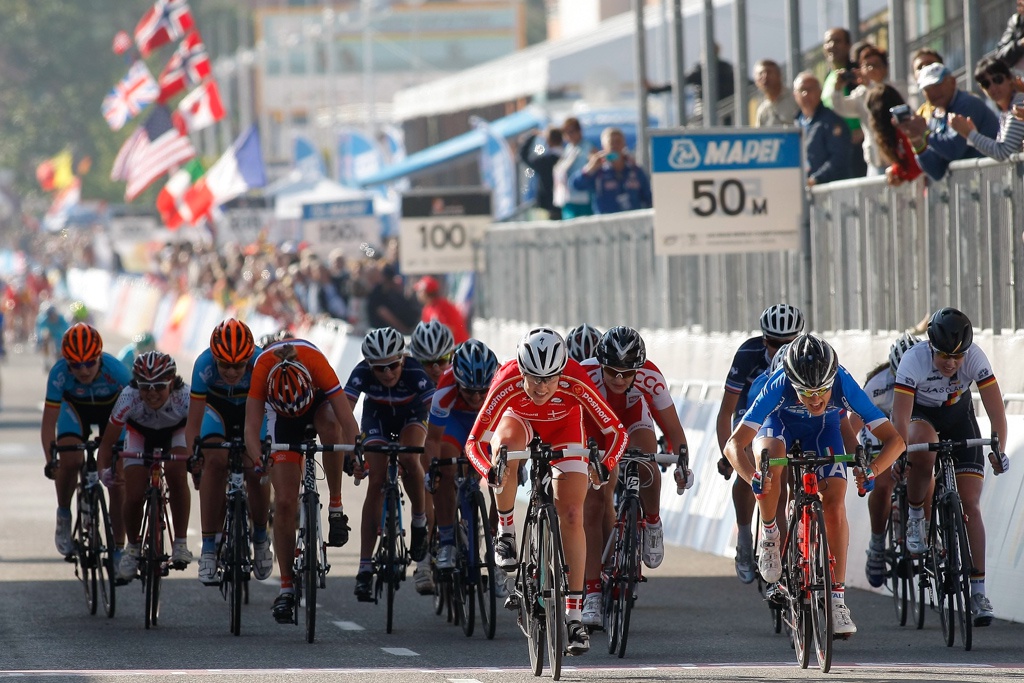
[[288, 202]]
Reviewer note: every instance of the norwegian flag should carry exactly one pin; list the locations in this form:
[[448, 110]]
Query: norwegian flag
[[165, 21], [189, 64], [130, 96]]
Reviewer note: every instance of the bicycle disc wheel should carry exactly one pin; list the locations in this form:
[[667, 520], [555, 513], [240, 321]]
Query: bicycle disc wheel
[[821, 588], [628, 569], [236, 557], [552, 582], [310, 561], [961, 564], [105, 557], [463, 586], [391, 533], [799, 619], [481, 559], [945, 580]]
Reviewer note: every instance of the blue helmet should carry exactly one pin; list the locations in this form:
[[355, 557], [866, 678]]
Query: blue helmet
[[474, 365]]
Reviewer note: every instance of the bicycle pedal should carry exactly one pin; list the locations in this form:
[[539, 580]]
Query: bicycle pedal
[[841, 636], [71, 558], [512, 602]]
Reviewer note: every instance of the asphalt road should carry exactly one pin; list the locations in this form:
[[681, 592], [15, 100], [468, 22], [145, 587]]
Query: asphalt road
[[693, 621]]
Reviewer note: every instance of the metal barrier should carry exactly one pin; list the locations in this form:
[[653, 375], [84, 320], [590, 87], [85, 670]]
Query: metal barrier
[[882, 259]]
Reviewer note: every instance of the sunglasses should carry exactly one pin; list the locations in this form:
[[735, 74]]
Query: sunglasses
[[153, 386], [388, 366], [542, 380], [618, 373], [443, 360], [997, 79], [812, 393], [949, 356], [473, 392], [232, 366], [85, 365]]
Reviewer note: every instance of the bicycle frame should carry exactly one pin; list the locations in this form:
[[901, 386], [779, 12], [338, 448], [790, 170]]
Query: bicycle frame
[[154, 561]]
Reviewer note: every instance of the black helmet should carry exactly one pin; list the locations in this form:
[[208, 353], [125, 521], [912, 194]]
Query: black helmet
[[950, 331], [810, 363], [582, 342], [622, 347]]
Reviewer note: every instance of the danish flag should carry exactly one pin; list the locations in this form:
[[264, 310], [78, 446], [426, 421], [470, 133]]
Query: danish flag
[[189, 64], [165, 21]]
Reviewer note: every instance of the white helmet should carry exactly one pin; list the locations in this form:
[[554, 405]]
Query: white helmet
[[383, 342], [431, 341], [899, 347], [542, 353], [782, 321], [582, 342]]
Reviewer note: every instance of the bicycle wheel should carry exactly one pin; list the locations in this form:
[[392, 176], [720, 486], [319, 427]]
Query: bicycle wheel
[[482, 567], [462, 583], [153, 555], [552, 579], [960, 566], [899, 569], [105, 557], [310, 562], [820, 587], [610, 586], [391, 534], [629, 560], [923, 573], [235, 574], [944, 580], [85, 538], [795, 580], [439, 593], [531, 611]]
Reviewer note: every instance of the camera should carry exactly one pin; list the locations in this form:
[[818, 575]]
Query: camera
[[850, 76], [901, 113]]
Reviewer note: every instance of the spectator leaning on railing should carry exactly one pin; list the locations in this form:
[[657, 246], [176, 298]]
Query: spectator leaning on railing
[[826, 136], [1004, 90], [894, 147]]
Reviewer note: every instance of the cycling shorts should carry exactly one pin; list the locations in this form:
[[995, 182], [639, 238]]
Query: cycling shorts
[[560, 434], [384, 423], [139, 439], [812, 438], [955, 422], [76, 419], [225, 419], [283, 429]]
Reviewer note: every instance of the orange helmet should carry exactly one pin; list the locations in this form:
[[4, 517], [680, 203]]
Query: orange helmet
[[289, 388], [232, 342], [81, 343]]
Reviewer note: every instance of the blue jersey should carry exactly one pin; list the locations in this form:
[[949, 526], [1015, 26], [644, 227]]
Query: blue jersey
[[62, 386], [412, 393], [751, 360], [206, 379]]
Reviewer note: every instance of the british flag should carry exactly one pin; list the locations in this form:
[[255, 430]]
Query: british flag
[[189, 64], [165, 21], [130, 96]]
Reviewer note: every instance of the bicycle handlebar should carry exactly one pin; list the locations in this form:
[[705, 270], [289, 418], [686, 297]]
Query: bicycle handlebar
[[951, 444]]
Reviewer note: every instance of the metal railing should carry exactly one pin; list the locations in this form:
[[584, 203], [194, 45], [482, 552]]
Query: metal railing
[[882, 259]]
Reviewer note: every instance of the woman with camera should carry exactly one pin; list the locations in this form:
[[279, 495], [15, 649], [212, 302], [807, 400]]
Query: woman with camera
[[873, 69]]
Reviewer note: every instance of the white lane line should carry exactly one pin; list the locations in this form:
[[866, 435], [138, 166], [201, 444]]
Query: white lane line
[[463, 680], [348, 626], [400, 651]]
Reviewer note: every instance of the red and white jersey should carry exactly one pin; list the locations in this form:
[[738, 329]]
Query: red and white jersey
[[447, 399], [575, 397], [650, 385]]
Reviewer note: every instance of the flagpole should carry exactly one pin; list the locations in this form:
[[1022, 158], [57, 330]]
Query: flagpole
[[368, 82]]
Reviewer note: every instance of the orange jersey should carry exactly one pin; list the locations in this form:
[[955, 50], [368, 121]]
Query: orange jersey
[[324, 377]]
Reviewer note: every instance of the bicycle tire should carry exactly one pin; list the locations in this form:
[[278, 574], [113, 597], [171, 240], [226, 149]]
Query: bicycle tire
[[552, 589], [482, 566], [391, 534], [923, 589], [106, 568], [799, 617], [629, 569], [943, 580], [962, 564], [311, 569], [531, 612], [899, 564], [152, 555], [84, 537], [236, 541], [463, 587], [820, 588]]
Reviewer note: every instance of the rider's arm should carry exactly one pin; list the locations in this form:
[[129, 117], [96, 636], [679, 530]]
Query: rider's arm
[[735, 451], [432, 445], [848, 432], [194, 421], [104, 453], [343, 412], [723, 424], [992, 399], [254, 411], [892, 446], [48, 429], [668, 420], [902, 409]]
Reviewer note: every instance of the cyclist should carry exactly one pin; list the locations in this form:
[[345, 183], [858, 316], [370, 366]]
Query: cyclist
[[152, 411], [635, 388], [780, 324], [294, 387], [140, 344], [397, 393], [582, 342], [50, 326], [453, 409], [221, 379], [80, 313], [80, 392], [432, 345], [544, 392], [932, 398], [804, 401]]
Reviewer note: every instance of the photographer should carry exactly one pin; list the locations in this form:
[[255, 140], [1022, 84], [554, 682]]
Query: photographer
[[873, 69]]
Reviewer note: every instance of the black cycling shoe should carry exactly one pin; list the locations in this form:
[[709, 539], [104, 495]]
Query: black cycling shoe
[[364, 587], [578, 641], [418, 547], [337, 534], [284, 608], [774, 596]]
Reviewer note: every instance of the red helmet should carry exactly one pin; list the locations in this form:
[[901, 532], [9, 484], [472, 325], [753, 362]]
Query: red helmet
[[289, 388], [232, 342], [81, 344], [154, 366]]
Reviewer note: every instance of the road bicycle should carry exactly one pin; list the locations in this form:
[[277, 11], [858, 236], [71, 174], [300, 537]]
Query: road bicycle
[[899, 562], [944, 571], [621, 560], [540, 583], [92, 534]]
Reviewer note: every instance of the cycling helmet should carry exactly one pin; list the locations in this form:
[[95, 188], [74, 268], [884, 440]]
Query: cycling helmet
[[431, 341], [383, 342], [271, 337], [79, 313], [81, 343], [232, 342], [778, 358], [582, 342], [475, 365], [541, 353], [154, 366], [782, 321], [289, 388], [810, 363], [622, 347], [144, 342], [898, 348], [950, 331]]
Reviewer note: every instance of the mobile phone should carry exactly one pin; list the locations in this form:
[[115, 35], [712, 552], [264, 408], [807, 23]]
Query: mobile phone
[[901, 113], [850, 76]]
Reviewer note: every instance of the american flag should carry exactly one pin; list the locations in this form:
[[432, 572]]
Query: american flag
[[159, 148], [189, 64], [130, 96], [165, 21]]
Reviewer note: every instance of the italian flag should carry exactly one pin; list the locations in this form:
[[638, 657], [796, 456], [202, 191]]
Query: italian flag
[[171, 200], [238, 171]]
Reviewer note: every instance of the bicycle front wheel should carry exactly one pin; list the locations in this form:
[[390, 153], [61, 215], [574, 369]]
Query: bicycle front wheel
[[463, 585], [961, 564], [85, 536], [153, 557], [105, 557], [820, 587], [310, 561], [943, 534], [899, 571], [627, 571], [235, 575], [552, 579], [481, 559], [391, 533], [795, 579]]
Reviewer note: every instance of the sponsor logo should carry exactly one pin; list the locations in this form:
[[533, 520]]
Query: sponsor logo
[[684, 154], [743, 152]]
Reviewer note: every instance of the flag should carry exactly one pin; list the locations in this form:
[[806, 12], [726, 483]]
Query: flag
[[190, 64], [119, 171], [122, 43], [57, 215], [307, 159], [56, 173], [358, 156], [158, 149], [130, 96], [200, 108], [497, 170], [238, 170], [165, 21], [170, 202]]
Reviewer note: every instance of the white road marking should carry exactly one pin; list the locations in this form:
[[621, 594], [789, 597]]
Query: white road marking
[[400, 651], [348, 626], [463, 680]]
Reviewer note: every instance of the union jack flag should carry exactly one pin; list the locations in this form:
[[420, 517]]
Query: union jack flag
[[130, 96], [165, 21], [189, 64]]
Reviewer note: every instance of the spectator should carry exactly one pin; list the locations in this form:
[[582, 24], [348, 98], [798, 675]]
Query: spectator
[[1003, 89], [575, 154], [922, 58], [826, 136], [386, 304], [837, 52], [614, 180], [778, 108], [437, 307], [695, 78], [541, 154], [894, 147], [1010, 50], [873, 69], [935, 142]]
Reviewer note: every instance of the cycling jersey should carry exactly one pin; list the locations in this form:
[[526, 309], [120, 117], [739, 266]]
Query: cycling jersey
[[324, 377], [574, 396], [388, 410], [54, 327], [225, 403], [633, 406], [127, 355], [146, 428], [750, 360], [879, 389], [82, 405], [450, 411]]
